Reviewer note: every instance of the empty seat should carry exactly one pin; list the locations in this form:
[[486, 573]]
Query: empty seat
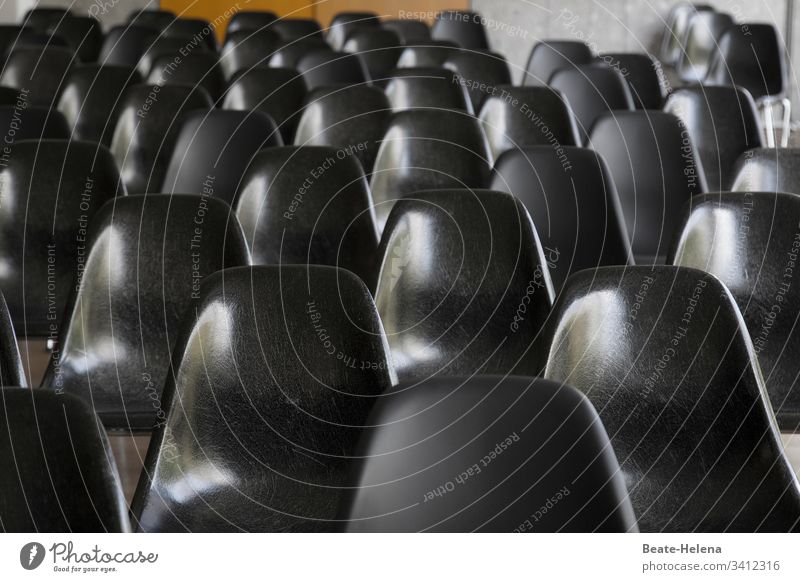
[[22, 121], [515, 117], [41, 18], [431, 53], [663, 355], [288, 55], [722, 123], [551, 55], [480, 73], [768, 170], [244, 49], [750, 241], [83, 35], [194, 30], [125, 44], [427, 149], [343, 23], [324, 68], [672, 43], [90, 98], [276, 456], [52, 189], [174, 48], [591, 91], [146, 257], [249, 20], [11, 371], [148, 125], [573, 203], [426, 87], [290, 29], [41, 71], [351, 118], [308, 205], [644, 77], [409, 31], [278, 92], [213, 149], [461, 27], [156, 19], [463, 286], [468, 454], [656, 171], [61, 476], [378, 48], [200, 69], [702, 39]]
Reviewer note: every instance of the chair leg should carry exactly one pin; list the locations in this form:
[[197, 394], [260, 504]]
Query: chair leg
[[769, 123], [787, 121]]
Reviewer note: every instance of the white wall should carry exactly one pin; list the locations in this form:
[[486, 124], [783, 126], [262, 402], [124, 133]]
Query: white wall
[[108, 12]]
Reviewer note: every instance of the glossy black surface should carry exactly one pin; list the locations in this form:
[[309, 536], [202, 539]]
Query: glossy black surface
[[429, 53], [655, 169], [125, 44], [378, 48], [213, 149], [591, 91], [352, 118], [296, 28], [83, 34], [173, 48], [325, 68], [488, 454], [768, 170], [10, 36], [750, 241], [343, 23], [548, 56], [157, 19], [675, 30], [308, 205], [146, 257], [200, 69], [40, 70], [11, 371], [750, 56], [244, 49], [644, 77], [515, 117], [702, 39], [426, 149], [59, 475], [463, 285], [310, 357], [462, 27], [193, 30], [289, 55], [51, 190], [664, 356], [249, 20], [41, 18], [279, 93], [22, 121], [90, 98], [411, 88], [481, 73], [410, 31], [148, 125], [573, 204], [723, 123]]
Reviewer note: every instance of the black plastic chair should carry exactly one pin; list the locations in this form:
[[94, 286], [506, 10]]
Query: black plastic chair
[[352, 118], [146, 257], [644, 76], [663, 355], [768, 170], [147, 127], [90, 98], [431, 53], [245, 49], [52, 190], [330, 221], [463, 286], [174, 49], [42, 18], [722, 123], [41, 71], [462, 27], [754, 262], [22, 121], [280, 93], [124, 45], [481, 74], [677, 24], [249, 21], [592, 91], [549, 56], [326, 68], [290, 29], [11, 35], [702, 39], [194, 30], [656, 171], [309, 354], [378, 48], [410, 31], [213, 149], [83, 34], [426, 87], [428, 149], [12, 372], [515, 117], [489, 454], [156, 19], [200, 69], [64, 479], [573, 203], [343, 23], [288, 55]]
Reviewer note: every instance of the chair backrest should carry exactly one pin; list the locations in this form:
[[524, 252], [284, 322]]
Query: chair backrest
[[200, 69], [310, 359], [410, 31], [125, 44], [326, 68], [462, 27], [482, 73], [378, 48], [11, 371], [426, 87], [41, 70], [463, 286], [490, 454], [644, 75], [767, 170], [701, 42], [249, 21], [290, 29], [245, 49], [194, 30], [549, 56], [83, 34], [343, 23], [429, 53], [664, 356], [23, 121], [288, 55], [677, 24], [155, 19], [174, 49]]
